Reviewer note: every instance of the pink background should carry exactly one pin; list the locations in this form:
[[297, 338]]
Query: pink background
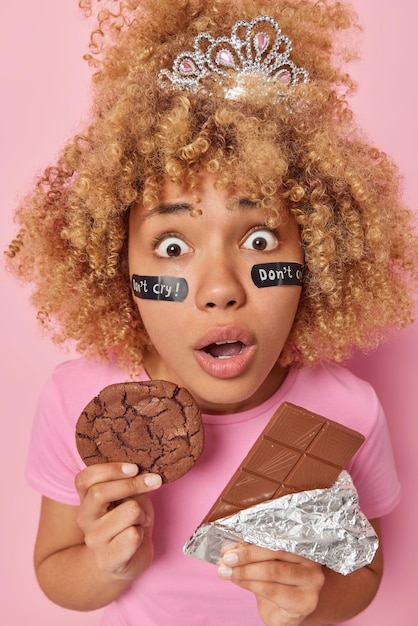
[[44, 94]]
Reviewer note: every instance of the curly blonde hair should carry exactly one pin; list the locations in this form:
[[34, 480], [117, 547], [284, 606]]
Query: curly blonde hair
[[302, 152]]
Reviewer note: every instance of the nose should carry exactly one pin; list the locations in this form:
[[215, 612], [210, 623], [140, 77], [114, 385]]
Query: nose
[[220, 285]]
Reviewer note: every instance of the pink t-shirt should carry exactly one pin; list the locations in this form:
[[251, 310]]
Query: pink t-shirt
[[178, 589]]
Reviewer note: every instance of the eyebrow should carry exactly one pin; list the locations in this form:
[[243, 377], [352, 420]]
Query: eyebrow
[[167, 208]]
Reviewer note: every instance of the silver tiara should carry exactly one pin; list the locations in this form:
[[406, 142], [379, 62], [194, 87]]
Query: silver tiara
[[257, 52]]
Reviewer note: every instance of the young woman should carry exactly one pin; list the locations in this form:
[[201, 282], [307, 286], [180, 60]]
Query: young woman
[[220, 140]]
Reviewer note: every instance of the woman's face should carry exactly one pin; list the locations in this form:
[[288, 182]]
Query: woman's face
[[221, 340]]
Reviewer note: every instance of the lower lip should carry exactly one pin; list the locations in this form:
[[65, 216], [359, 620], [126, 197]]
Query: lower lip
[[225, 368]]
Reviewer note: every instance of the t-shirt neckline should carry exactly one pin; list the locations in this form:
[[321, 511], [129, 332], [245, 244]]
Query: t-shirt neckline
[[268, 405]]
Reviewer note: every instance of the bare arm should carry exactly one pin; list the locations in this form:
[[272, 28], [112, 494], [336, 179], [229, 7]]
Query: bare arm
[[87, 556], [291, 590]]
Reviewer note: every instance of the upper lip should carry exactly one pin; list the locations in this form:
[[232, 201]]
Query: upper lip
[[223, 335]]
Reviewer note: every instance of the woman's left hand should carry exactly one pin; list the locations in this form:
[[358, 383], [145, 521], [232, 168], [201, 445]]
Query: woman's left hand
[[286, 586]]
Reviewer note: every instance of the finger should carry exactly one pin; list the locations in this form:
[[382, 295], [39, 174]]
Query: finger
[[124, 546], [102, 496], [282, 572], [292, 586], [108, 472], [114, 556], [102, 472], [106, 528], [249, 553], [249, 562], [288, 602]]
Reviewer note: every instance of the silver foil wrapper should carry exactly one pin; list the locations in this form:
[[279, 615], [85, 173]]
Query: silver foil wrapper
[[324, 525]]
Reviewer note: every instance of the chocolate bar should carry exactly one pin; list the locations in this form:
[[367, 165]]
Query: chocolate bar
[[297, 451]]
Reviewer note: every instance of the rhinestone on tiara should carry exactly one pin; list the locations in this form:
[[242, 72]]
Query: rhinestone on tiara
[[261, 50]]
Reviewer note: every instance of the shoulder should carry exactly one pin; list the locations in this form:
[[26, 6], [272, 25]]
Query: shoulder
[[82, 367], [74, 383], [340, 377], [338, 394]]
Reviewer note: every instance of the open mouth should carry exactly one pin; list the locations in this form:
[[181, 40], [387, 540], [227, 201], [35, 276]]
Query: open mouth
[[224, 349], [226, 352]]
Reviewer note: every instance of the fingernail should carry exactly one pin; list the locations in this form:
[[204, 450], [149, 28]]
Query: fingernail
[[230, 558], [224, 572], [152, 480], [130, 469]]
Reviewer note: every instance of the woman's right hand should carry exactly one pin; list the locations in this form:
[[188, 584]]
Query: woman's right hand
[[117, 517]]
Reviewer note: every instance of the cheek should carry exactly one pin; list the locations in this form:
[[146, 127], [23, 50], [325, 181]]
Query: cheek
[[276, 307], [161, 318]]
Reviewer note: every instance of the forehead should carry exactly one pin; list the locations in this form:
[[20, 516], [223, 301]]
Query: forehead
[[204, 199], [203, 194], [206, 190]]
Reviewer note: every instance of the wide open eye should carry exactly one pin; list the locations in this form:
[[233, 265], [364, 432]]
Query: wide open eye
[[171, 246], [262, 239]]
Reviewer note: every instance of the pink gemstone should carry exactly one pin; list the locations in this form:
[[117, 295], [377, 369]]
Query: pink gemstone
[[284, 76], [262, 40], [224, 57], [186, 67]]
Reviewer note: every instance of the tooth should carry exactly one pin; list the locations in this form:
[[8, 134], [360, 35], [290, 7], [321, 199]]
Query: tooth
[[221, 343]]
